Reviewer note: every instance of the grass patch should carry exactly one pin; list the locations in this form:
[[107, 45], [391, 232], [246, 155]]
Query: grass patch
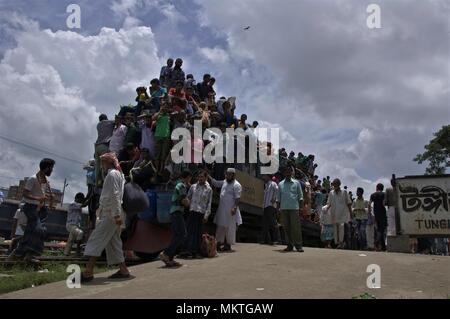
[[365, 295], [22, 276]]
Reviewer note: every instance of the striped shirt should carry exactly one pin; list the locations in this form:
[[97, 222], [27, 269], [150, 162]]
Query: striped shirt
[[200, 197], [270, 194]]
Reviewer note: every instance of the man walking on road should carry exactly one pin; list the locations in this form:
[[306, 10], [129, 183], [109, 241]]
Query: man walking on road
[[37, 196], [110, 222], [290, 201]]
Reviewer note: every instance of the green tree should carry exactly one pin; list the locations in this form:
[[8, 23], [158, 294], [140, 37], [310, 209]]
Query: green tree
[[437, 152]]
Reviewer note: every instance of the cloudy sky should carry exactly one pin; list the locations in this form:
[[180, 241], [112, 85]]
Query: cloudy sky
[[365, 101]]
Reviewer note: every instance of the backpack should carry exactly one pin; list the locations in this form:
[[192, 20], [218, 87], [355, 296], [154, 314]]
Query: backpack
[[209, 246], [135, 200]]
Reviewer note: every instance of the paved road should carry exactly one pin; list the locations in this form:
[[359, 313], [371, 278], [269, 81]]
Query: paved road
[[256, 271]]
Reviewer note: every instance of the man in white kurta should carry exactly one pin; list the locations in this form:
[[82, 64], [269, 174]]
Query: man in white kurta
[[228, 216], [339, 204], [390, 202], [110, 222]]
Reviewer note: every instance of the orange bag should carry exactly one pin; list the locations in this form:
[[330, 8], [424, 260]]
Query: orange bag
[[209, 246]]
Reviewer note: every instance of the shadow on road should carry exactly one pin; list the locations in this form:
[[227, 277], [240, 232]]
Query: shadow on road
[[101, 281]]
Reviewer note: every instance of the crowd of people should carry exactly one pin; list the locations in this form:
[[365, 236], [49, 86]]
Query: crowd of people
[[346, 222], [135, 147], [140, 138]]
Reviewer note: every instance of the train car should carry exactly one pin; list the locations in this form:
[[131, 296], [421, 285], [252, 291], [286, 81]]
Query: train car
[[55, 222], [150, 231]]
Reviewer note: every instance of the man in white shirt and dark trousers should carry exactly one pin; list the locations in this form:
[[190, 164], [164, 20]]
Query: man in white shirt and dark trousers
[[269, 220], [37, 196], [110, 222], [200, 197]]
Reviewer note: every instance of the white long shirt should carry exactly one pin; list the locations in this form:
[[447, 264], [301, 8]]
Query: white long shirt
[[338, 205], [270, 194], [111, 196], [229, 192]]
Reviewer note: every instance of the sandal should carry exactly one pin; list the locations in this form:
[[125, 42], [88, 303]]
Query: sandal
[[119, 275], [173, 264], [164, 258]]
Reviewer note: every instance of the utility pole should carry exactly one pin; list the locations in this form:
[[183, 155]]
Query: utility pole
[[64, 190]]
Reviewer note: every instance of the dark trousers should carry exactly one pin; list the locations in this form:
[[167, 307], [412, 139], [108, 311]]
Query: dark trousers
[[270, 232], [292, 228], [32, 241], [380, 237], [361, 225], [194, 232], [14, 242], [178, 229]]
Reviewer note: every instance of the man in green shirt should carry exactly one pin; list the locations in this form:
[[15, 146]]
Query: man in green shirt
[[290, 202], [177, 226], [162, 137]]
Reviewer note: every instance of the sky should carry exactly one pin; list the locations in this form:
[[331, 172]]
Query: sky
[[364, 101]]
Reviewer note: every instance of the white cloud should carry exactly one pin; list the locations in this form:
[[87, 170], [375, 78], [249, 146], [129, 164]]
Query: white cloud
[[54, 85], [123, 6], [171, 13], [131, 8], [215, 55], [364, 102]]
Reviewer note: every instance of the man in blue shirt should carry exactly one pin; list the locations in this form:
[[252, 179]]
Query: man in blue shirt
[[290, 202], [178, 226]]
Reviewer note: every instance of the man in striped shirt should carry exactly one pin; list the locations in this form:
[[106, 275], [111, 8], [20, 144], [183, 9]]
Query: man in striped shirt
[[269, 221]]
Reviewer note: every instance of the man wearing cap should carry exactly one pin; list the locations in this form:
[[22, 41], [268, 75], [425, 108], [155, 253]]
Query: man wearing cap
[[290, 202], [228, 216], [340, 207], [110, 222]]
